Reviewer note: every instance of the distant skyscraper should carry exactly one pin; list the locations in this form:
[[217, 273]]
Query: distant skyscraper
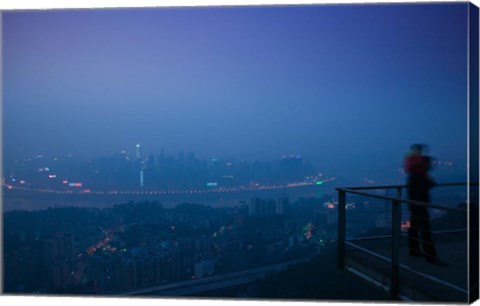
[[138, 151], [266, 206], [281, 205]]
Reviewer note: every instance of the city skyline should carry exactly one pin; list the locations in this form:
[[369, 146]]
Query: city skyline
[[331, 83], [263, 152]]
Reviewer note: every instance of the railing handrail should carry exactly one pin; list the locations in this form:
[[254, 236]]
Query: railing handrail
[[402, 186], [354, 190], [418, 203], [396, 202]]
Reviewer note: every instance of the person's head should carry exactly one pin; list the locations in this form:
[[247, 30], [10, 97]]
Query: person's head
[[416, 148]]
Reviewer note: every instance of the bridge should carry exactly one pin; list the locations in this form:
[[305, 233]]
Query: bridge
[[17, 197]]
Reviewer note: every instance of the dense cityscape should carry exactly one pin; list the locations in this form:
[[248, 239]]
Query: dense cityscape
[[157, 172], [130, 246], [239, 151], [126, 247], [141, 244]]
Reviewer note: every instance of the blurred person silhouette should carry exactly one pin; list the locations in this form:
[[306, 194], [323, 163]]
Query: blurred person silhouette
[[416, 166]]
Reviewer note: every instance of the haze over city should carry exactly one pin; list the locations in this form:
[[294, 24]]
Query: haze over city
[[261, 152], [347, 91]]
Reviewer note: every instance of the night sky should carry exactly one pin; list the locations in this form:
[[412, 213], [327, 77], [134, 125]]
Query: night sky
[[348, 87]]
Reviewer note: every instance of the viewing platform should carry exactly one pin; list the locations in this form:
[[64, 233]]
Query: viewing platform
[[381, 256]]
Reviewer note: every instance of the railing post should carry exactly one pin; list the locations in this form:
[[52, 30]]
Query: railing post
[[396, 234], [341, 228]]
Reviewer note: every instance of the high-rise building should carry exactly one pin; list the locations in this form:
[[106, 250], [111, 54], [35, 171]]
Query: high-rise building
[[138, 151], [254, 207], [281, 205], [204, 268], [267, 206]]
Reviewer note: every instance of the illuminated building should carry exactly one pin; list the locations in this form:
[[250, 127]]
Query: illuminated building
[[138, 151]]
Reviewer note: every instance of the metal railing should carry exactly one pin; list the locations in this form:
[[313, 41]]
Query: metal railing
[[396, 203]]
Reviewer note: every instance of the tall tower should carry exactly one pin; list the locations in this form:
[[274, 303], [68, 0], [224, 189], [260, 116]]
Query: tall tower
[[138, 151], [139, 162]]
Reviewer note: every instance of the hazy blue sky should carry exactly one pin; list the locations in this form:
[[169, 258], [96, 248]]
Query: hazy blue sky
[[349, 87]]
